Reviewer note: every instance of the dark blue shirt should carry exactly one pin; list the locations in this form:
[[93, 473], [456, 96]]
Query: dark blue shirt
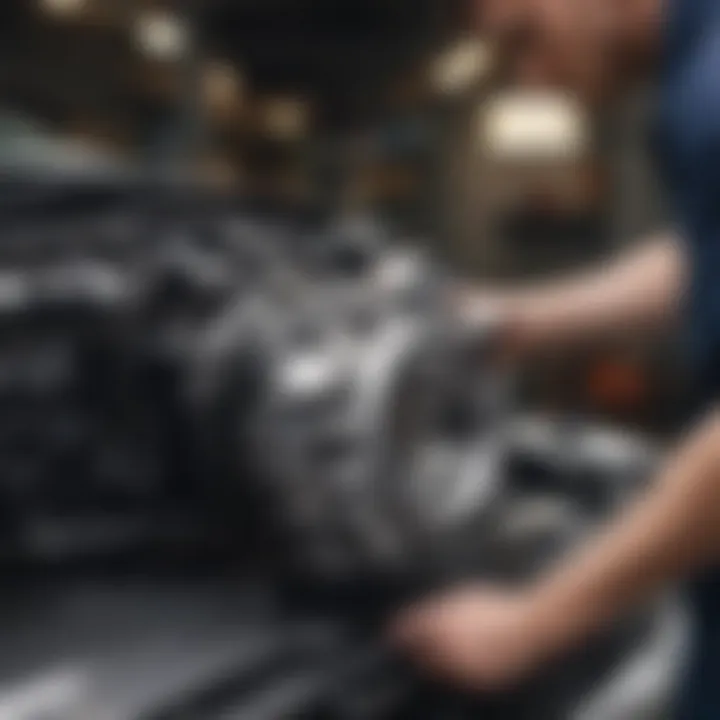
[[689, 149]]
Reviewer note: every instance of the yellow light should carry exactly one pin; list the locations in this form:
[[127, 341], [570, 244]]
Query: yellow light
[[533, 125], [161, 35], [286, 118], [461, 67], [223, 86]]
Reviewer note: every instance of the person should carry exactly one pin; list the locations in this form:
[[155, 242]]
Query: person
[[489, 638]]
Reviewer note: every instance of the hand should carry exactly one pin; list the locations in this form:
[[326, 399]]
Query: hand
[[491, 318], [479, 639], [480, 308]]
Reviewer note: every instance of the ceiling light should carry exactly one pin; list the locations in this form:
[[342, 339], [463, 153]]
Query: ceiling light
[[536, 125], [223, 86], [285, 118], [161, 35], [461, 67]]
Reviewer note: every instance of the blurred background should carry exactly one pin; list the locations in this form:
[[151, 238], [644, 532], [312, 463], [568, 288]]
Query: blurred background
[[364, 106]]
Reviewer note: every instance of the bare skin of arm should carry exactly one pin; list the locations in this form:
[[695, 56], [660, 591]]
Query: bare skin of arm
[[671, 533], [487, 638], [640, 290]]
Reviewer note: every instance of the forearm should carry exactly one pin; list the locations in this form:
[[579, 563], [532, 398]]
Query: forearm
[[638, 291], [668, 535]]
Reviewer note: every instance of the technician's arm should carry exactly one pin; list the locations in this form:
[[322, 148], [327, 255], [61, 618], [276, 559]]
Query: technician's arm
[[636, 291], [668, 535], [486, 638]]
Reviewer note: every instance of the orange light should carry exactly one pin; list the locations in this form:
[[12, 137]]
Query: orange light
[[616, 385]]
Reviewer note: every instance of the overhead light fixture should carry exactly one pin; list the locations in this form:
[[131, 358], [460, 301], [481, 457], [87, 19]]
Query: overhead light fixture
[[63, 7], [286, 118], [162, 35], [532, 126], [223, 86], [462, 66]]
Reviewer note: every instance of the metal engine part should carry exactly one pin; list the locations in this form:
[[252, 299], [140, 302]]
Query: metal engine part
[[366, 401], [105, 288], [385, 448]]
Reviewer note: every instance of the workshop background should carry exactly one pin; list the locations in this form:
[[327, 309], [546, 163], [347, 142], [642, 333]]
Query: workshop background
[[362, 106]]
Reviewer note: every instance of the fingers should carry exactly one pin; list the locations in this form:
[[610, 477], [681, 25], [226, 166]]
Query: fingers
[[413, 637], [410, 627], [426, 633], [420, 622]]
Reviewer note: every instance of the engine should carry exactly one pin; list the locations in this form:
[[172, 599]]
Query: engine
[[191, 363]]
